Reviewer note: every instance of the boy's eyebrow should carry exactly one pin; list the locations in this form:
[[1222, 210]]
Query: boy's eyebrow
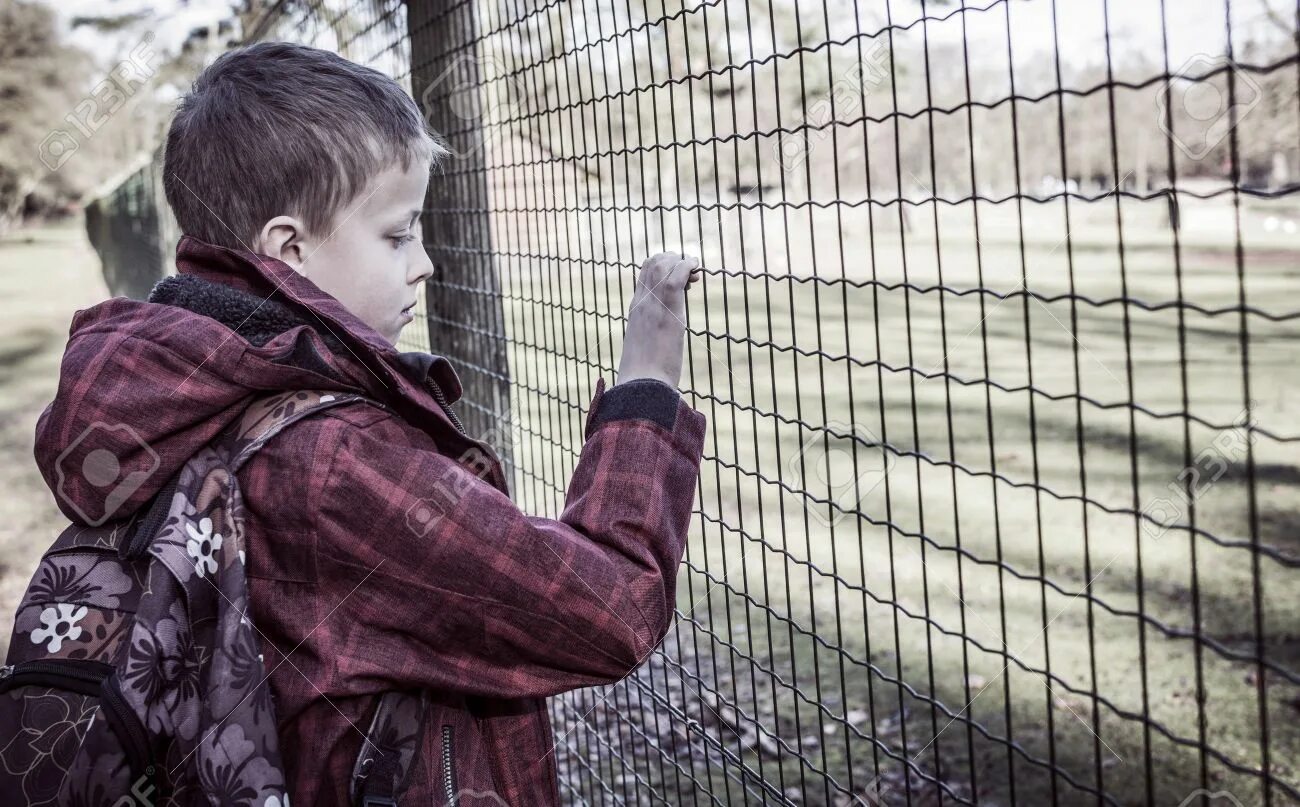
[[411, 217]]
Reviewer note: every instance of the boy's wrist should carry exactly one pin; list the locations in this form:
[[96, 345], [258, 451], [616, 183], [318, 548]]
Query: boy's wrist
[[625, 380], [630, 374]]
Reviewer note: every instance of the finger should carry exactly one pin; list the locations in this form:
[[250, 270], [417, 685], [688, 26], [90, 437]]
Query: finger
[[674, 269], [684, 267]]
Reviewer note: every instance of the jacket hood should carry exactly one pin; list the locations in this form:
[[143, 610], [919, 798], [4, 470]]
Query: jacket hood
[[144, 385]]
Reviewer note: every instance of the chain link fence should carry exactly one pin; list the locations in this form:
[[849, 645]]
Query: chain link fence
[[999, 502], [133, 231]]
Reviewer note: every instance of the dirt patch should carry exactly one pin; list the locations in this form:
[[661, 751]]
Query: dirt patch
[[46, 274]]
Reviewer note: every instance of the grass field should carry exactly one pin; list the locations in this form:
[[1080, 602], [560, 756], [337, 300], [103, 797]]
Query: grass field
[[807, 627], [1010, 602]]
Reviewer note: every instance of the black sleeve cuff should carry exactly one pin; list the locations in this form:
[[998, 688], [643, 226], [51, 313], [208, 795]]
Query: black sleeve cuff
[[645, 398]]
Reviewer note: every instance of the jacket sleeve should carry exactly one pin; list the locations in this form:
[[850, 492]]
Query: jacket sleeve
[[447, 584]]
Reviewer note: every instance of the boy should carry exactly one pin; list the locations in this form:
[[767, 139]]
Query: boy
[[298, 178]]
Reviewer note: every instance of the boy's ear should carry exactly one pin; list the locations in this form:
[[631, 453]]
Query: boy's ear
[[282, 238]]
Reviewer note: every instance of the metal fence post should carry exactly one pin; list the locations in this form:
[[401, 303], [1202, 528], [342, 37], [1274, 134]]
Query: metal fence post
[[465, 307]]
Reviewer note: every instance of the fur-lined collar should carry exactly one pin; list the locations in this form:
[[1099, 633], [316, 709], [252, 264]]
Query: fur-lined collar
[[259, 320], [256, 319]]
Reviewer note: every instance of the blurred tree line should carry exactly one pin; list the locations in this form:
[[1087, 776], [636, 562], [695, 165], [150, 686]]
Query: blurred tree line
[[736, 96], [766, 96], [74, 121]]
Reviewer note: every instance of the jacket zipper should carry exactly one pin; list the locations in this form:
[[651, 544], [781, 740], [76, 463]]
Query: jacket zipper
[[442, 401], [448, 772], [87, 677], [441, 398]]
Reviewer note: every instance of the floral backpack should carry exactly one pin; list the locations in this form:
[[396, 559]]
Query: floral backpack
[[134, 676]]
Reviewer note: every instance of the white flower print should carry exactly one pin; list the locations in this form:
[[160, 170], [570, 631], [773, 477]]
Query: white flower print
[[59, 622], [276, 801], [202, 546]]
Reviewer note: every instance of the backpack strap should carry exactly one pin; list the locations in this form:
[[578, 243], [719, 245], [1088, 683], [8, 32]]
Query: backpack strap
[[264, 418], [388, 753], [267, 416]]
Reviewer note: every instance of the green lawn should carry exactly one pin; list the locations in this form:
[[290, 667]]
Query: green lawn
[[765, 551], [769, 566]]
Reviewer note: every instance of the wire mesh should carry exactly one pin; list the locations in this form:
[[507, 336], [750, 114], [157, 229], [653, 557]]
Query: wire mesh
[[133, 230], [998, 502]]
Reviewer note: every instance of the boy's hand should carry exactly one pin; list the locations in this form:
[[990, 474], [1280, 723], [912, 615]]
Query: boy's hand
[[656, 320]]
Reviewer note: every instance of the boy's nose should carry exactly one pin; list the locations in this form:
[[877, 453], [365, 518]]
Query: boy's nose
[[422, 269]]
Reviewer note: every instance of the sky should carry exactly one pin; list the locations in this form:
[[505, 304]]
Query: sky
[[1194, 27]]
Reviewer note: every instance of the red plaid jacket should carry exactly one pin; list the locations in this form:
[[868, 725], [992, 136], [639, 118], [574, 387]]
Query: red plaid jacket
[[383, 549]]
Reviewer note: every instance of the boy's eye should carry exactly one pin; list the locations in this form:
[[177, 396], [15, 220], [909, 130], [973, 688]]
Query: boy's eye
[[399, 240]]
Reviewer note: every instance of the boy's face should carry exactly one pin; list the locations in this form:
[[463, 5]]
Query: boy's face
[[373, 260]]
